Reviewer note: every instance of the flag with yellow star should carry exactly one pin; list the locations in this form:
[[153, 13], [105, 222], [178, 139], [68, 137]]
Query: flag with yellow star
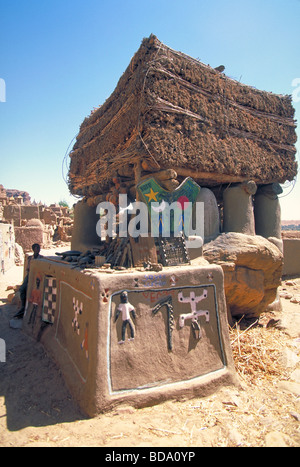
[[151, 192]]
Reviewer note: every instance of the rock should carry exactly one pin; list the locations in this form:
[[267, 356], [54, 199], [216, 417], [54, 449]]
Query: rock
[[235, 438], [295, 299], [296, 343], [296, 416], [251, 285], [290, 323], [275, 439], [277, 241], [295, 376], [273, 323], [290, 282], [276, 305], [286, 295], [289, 386], [124, 410], [16, 323], [288, 358]]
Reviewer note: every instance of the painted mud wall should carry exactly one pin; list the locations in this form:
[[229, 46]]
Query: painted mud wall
[[7, 247], [73, 313], [61, 312]]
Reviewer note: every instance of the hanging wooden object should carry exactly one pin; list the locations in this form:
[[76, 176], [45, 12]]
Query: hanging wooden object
[[143, 250]]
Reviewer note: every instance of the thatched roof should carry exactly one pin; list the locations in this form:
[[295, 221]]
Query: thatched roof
[[172, 111]]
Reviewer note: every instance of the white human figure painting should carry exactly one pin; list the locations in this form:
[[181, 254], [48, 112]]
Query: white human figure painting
[[193, 300]]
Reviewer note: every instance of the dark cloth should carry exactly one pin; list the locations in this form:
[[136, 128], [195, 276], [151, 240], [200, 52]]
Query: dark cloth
[[124, 324]]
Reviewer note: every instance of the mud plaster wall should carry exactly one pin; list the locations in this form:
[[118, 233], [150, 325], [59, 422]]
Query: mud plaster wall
[[7, 247], [291, 255], [66, 322], [27, 236], [17, 214], [148, 360], [83, 337], [84, 235]]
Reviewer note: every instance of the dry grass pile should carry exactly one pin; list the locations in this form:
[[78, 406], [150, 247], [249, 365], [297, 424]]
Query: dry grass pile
[[256, 351], [175, 112]]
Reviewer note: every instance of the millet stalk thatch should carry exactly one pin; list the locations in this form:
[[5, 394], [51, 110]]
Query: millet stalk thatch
[[170, 111]]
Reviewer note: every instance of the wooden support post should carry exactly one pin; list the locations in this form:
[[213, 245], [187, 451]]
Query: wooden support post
[[137, 175]]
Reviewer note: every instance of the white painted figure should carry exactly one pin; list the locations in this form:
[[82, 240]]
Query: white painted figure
[[193, 300]]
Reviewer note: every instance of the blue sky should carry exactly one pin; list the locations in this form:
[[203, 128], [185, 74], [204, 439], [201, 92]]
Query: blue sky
[[60, 59]]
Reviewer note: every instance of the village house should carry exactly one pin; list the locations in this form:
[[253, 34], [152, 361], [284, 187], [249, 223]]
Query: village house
[[142, 319]]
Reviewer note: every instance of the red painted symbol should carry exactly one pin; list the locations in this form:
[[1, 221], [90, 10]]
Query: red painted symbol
[[105, 295]]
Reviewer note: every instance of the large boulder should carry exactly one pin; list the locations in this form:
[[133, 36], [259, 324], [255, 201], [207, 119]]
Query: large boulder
[[252, 268]]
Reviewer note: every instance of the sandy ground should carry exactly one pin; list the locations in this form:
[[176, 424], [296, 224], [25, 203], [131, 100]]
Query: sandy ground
[[36, 408]]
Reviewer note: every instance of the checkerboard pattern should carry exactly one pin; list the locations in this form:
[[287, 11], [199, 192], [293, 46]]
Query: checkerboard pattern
[[49, 300]]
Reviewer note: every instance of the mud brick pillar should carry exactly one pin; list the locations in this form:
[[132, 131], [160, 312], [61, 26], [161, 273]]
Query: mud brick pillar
[[84, 234], [267, 211], [211, 214], [238, 208]]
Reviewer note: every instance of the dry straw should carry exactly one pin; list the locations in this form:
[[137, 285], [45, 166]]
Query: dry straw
[[256, 351], [176, 112]]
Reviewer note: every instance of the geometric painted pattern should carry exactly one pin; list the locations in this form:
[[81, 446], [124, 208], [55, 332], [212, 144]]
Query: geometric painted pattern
[[49, 300]]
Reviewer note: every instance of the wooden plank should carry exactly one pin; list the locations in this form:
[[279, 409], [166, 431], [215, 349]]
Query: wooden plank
[[143, 250]]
